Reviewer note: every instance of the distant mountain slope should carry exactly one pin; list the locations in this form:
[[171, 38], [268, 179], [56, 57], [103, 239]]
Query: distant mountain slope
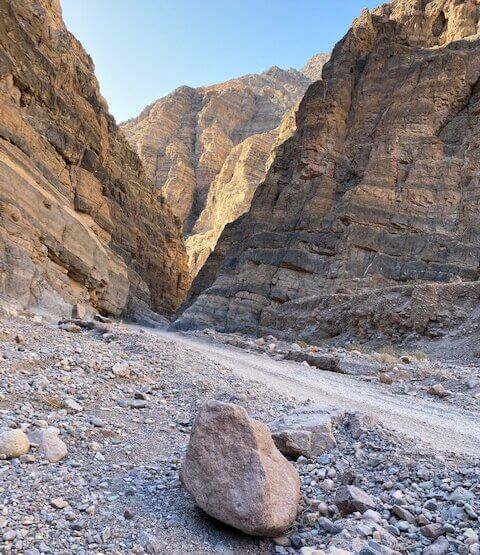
[[208, 148], [313, 68]]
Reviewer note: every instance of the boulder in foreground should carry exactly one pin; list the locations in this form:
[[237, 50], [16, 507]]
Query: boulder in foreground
[[236, 474]]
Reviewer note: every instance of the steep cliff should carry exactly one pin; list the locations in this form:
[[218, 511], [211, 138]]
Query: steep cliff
[[372, 207], [79, 221], [209, 148]]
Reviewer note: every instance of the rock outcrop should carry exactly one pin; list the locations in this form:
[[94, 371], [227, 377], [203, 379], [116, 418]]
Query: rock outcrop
[[236, 474], [314, 66], [209, 148], [370, 213], [79, 221]]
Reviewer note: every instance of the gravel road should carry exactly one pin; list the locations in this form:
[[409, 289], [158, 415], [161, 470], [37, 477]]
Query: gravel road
[[443, 427]]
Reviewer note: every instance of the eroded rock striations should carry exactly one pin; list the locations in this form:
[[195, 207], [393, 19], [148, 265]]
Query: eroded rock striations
[[79, 221], [371, 209], [209, 148]]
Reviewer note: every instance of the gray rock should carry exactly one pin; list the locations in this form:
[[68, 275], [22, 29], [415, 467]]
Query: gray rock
[[350, 499], [50, 444], [361, 423], [439, 547], [306, 431]]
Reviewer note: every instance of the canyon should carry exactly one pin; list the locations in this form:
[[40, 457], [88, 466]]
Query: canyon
[[208, 148], [367, 221], [80, 224], [317, 387]]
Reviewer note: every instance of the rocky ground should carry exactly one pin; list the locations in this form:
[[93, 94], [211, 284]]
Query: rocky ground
[[406, 370], [123, 401]]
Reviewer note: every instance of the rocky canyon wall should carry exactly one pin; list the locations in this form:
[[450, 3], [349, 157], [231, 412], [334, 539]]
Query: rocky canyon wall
[[208, 149], [373, 205], [79, 221]]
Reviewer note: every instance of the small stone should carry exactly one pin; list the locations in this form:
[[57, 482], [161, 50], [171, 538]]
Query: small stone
[[96, 421], [403, 514], [438, 390], [138, 404], [78, 525], [307, 431], [51, 446], [58, 503], [372, 515], [327, 525], [70, 328], [284, 541], [13, 443], [349, 499], [361, 423], [72, 405], [386, 378], [432, 530], [440, 547], [9, 536]]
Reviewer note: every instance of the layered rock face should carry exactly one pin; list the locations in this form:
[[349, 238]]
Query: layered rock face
[[375, 199], [209, 148], [79, 221]]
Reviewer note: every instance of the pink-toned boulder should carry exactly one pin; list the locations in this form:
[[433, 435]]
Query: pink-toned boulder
[[235, 473], [50, 445]]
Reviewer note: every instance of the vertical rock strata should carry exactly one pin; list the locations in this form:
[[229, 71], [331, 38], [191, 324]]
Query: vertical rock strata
[[79, 221], [377, 193], [209, 148]]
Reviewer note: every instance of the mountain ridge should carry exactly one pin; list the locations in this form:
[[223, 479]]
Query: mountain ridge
[[191, 143]]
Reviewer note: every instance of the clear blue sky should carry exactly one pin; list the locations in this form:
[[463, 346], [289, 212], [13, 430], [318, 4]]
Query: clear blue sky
[[144, 49]]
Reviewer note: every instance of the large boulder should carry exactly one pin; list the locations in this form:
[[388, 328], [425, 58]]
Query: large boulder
[[306, 431], [236, 474]]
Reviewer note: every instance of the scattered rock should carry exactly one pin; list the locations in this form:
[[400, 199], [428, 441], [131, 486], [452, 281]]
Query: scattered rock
[[350, 499], [50, 444], [306, 431], [361, 423], [236, 474], [440, 547], [438, 390], [323, 362], [71, 328], [13, 443]]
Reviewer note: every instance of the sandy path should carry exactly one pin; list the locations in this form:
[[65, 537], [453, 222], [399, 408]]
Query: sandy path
[[443, 427]]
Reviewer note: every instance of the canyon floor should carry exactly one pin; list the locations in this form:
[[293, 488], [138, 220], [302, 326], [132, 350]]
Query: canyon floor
[[124, 399]]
